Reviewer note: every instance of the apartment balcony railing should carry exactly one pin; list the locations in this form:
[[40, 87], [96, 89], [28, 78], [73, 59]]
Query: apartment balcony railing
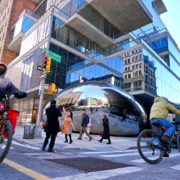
[[26, 20]]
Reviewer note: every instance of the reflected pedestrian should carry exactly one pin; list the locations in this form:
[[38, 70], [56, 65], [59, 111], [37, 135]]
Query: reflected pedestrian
[[105, 134], [89, 125], [84, 123], [52, 125]]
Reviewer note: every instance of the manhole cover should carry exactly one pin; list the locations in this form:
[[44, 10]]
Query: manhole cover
[[89, 164]]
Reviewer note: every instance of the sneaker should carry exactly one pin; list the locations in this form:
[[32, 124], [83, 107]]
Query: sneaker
[[90, 138], [100, 141], [166, 154], [108, 143], [50, 150], [79, 138]]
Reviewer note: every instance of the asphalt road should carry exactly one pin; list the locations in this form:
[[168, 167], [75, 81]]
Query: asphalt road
[[26, 161]]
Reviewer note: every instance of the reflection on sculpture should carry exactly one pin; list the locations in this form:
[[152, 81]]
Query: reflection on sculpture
[[98, 99]]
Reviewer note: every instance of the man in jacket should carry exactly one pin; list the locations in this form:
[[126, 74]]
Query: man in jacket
[[159, 113], [52, 125], [84, 123], [7, 87]]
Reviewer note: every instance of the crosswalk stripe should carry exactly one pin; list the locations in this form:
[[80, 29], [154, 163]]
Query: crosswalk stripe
[[177, 167], [102, 174], [120, 155], [108, 152], [27, 146], [142, 161]]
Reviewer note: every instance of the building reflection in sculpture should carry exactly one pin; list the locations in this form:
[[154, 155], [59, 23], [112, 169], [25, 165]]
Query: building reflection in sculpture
[[97, 98]]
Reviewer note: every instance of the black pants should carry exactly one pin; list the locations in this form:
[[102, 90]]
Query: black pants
[[53, 138], [108, 138]]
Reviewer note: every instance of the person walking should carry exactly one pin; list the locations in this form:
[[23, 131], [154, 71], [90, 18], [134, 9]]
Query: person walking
[[89, 125], [105, 134], [84, 123], [52, 125], [68, 123], [158, 114]]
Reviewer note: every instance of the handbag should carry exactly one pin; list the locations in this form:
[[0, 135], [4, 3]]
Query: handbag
[[42, 125]]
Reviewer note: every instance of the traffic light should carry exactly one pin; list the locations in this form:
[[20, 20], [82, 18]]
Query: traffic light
[[53, 88], [47, 64]]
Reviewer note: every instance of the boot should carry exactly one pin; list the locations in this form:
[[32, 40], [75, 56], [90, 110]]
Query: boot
[[166, 142], [166, 154], [109, 141], [100, 140], [70, 139], [66, 140]]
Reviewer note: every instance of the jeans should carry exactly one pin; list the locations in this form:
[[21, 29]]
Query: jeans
[[83, 130], [166, 123]]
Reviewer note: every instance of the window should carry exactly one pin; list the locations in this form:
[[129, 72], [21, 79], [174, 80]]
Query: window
[[140, 73], [133, 59], [127, 85]]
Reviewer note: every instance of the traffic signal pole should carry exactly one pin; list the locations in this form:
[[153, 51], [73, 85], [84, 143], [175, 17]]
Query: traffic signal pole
[[41, 93], [37, 132]]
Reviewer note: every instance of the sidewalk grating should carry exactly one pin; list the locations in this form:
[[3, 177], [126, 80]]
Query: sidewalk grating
[[89, 164]]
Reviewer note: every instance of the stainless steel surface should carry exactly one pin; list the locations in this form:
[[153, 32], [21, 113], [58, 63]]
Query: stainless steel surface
[[123, 111]]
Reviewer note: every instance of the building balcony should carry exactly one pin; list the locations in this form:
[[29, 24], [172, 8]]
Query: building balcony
[[81, 25], [124, 15], [26, 20]]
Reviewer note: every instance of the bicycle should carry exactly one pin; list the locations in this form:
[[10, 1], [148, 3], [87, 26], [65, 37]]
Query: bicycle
[[6, 131], [150, 145]]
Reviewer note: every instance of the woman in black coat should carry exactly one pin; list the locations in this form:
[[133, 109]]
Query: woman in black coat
[[105, 134]]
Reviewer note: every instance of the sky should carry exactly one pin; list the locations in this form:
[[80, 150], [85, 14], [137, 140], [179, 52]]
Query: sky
[[171, 18]]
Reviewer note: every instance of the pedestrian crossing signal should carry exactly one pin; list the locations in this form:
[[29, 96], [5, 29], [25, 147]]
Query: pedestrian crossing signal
[[47, 64]]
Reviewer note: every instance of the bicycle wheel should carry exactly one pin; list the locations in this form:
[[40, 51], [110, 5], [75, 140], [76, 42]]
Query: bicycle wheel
[[5, 138], [178, 142], [150, 147]]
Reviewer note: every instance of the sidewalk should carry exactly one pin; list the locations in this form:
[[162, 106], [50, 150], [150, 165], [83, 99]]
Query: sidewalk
[[118, 143]]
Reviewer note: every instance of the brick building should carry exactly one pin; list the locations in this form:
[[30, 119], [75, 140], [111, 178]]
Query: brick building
[[10, 11]]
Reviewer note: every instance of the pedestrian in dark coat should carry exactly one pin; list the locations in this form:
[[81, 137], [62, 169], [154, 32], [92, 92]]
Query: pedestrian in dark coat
[[52, 125], [105, 134]]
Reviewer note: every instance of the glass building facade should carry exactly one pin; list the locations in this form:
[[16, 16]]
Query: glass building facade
[[144, 61]]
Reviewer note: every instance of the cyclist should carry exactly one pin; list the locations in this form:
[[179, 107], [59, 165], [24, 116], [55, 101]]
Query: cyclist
[[158, 114], [7, 87]]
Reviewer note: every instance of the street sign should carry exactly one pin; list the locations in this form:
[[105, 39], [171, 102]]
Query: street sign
[[55, 56], [40, 68]]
